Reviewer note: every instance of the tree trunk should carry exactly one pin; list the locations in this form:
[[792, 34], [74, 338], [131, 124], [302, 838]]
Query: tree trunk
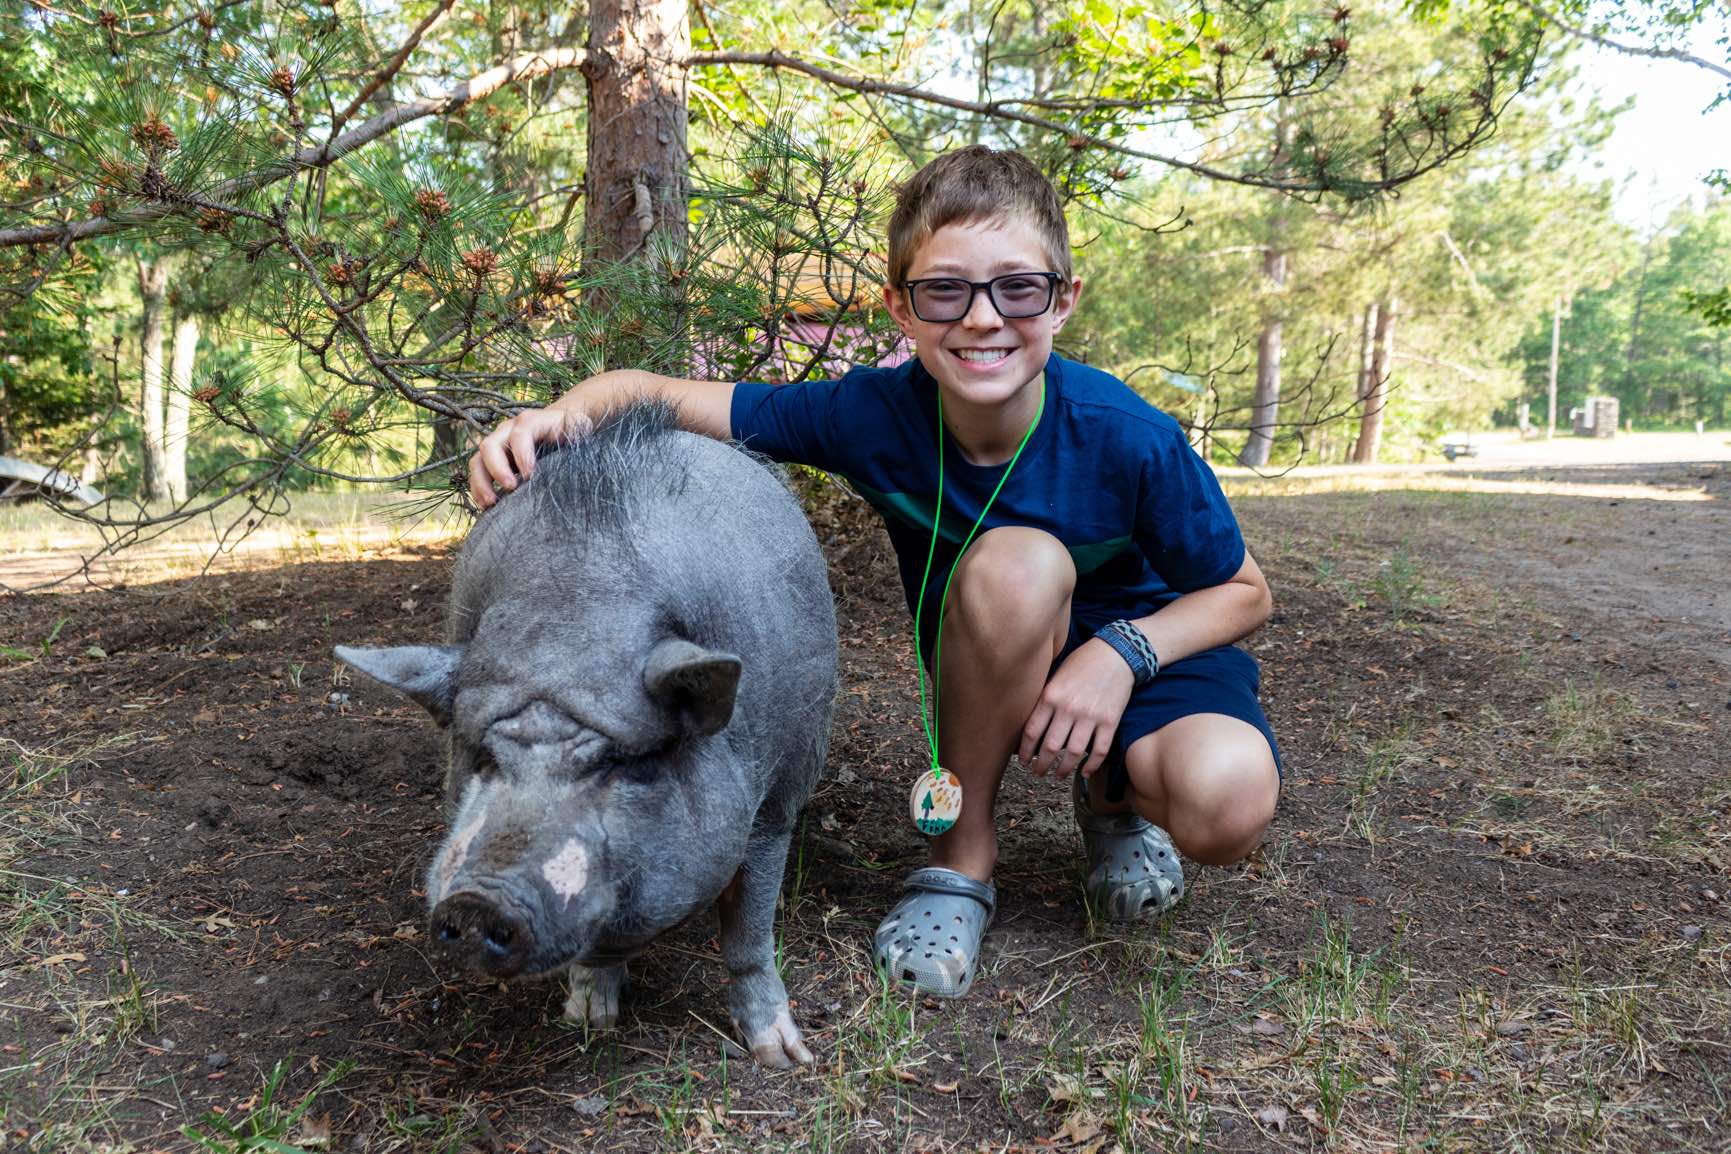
[[153, 288], [1629, 359], [1556, 344], [637, 178], [179, 406], [1366, 370], [1265, 404], [448, 436], [1376, 399], [92, 470], [1366, 350]]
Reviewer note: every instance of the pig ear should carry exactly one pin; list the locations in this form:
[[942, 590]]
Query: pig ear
[[425, 674], [697, 684]]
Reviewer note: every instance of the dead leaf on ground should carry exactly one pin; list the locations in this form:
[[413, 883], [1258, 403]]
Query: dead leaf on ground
[[1083, 1131], [315, 1131], [1267, 1027], [1066, 1090]]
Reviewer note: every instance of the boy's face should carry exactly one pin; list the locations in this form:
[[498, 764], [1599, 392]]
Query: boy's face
[[982, 358]]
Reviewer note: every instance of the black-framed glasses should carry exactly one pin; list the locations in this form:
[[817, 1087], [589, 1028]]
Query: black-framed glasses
[[1016, 295]]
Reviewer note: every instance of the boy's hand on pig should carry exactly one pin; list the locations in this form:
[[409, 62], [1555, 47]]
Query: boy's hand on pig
[[506, 456], [1077, 715]]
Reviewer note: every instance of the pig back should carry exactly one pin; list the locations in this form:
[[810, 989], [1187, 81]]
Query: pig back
[[641, 531]]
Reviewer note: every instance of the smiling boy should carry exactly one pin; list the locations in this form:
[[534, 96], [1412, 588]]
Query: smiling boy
[[1088, 626]]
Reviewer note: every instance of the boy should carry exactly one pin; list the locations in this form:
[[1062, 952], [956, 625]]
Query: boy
[[1088, 625]]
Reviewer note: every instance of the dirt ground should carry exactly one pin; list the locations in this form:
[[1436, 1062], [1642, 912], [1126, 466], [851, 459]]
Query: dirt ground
[[1490, 914]]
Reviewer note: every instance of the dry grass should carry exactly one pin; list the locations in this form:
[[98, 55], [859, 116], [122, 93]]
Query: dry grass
[[38, 547]]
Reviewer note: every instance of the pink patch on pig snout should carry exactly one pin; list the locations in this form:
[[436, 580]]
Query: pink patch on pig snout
[[568, 870], [456, 854]]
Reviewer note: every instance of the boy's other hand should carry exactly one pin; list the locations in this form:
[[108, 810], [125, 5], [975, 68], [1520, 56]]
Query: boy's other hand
[[1077, 716], [506, 456]]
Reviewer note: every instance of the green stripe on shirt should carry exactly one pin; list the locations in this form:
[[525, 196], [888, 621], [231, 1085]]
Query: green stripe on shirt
[[917, 514]]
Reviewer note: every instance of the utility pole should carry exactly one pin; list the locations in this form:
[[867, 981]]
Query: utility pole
[[1556, 335]]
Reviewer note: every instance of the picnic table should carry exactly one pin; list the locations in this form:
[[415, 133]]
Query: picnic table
[[21, 480], [1460, 445]]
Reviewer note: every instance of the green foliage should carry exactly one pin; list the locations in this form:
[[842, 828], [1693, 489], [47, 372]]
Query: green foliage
[[268, 1126], [383, 271], [1712, 307], [47, 376], [1645, 336], [1474, 258]]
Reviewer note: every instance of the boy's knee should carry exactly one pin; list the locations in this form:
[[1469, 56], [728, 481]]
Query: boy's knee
[[1011, 571], [1235, 803], [1230, 835], [1220, 796]]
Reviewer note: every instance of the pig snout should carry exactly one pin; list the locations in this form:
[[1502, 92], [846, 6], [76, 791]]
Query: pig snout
[[481, 936]]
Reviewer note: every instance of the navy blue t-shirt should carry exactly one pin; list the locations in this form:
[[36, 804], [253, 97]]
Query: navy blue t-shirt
[[1105, 472]]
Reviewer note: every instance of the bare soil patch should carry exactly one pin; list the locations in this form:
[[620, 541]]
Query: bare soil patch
[[1490, 914]]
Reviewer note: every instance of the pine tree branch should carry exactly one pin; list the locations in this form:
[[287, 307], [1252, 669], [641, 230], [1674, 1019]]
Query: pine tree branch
[[393, 66], [205, 13], [533, 64], [1002, 110], [483, 84], [1627, 49]]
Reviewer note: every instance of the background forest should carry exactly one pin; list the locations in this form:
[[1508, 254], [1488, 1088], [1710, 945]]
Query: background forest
[[254, 246]]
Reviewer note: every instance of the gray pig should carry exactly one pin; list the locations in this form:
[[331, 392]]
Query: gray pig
[[636, 696]]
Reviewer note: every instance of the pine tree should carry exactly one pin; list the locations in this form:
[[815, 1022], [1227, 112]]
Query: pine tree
[[440, 251]]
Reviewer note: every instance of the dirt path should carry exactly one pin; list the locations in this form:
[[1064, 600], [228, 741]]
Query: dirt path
[[1490, 914]]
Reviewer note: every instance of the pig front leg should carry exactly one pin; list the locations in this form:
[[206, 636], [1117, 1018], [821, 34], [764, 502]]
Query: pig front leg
[[594, 995], [758, 999]]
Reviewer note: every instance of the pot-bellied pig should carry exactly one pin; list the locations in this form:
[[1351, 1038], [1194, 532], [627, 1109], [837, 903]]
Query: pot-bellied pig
[[636, 693]]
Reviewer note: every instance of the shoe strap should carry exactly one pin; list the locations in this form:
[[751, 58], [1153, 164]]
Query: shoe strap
[[938, 880], [1112, 823], [1128, 822]]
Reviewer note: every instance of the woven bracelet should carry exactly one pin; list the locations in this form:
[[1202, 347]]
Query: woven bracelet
[[1133, 647]]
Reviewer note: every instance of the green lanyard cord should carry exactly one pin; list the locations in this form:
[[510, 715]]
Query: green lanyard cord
[[931, 722]]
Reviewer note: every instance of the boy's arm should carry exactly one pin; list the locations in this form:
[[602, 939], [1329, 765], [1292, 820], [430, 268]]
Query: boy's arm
[[506, 455], [1205, 618], [1076, 717]]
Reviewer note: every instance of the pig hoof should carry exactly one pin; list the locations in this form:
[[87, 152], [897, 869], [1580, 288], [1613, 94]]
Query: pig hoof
[[594, 995], [778, 1045]]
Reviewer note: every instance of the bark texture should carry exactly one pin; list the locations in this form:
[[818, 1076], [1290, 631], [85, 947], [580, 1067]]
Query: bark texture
[[1375, 396], [1265, 403], [636, 182], [179, 406], [153, 288]]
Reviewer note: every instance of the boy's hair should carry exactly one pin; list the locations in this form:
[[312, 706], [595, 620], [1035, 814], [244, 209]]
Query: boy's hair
[[973, 184]]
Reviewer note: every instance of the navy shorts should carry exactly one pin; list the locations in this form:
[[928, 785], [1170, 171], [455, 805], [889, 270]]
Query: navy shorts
[[1220, 680]]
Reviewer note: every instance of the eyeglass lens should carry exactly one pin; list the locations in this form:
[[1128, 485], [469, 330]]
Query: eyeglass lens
[[1016, 297]]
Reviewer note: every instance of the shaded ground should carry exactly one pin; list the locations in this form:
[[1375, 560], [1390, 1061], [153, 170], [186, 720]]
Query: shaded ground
[[1489, 915]]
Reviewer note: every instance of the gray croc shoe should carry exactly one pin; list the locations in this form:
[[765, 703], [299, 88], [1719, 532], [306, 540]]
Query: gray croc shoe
[[1133, 867], [931, 939]]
